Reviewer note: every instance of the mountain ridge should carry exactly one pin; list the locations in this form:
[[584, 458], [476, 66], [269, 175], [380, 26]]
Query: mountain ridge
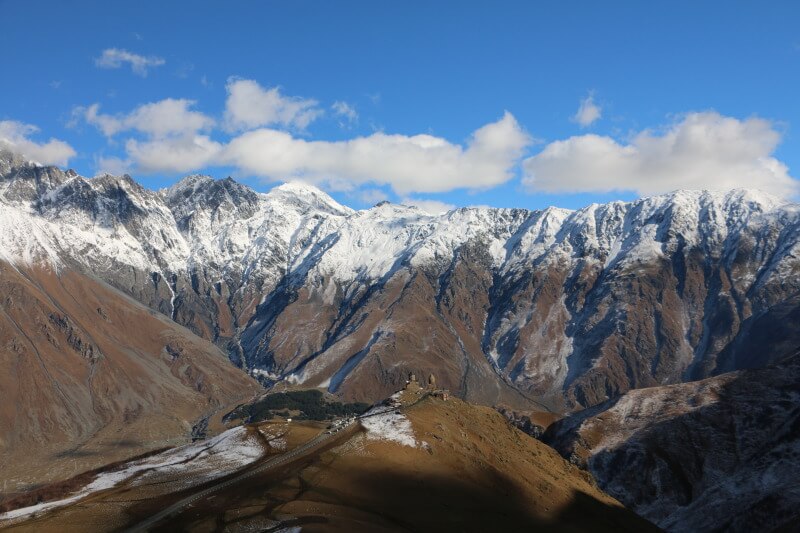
[[718, 454], [501, 302]]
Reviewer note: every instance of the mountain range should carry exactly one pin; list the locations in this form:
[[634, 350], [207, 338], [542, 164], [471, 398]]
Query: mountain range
[[573, 312], [570, 308]]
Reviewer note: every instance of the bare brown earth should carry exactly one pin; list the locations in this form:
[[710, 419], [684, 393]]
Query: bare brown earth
[[90, 377], [470, 471]]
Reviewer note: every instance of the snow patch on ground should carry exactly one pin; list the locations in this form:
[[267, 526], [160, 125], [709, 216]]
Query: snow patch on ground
[[203, 461], [391, 426], [278, 444], [269, 375]]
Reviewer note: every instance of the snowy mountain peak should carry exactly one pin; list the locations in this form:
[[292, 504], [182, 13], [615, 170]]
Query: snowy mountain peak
[[204, 191], [388, 209], [694, 198], [307, 197], [10, 160], [187, 185], [110, 182], [23, 182], [299, 187]]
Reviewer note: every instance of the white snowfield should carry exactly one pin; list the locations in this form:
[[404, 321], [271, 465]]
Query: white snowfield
[[191, 464], [222, 226]]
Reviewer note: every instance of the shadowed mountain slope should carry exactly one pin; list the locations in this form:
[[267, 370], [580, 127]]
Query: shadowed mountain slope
[[721, 454]]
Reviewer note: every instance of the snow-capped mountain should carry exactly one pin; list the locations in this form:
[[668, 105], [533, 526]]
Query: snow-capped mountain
[[557, 306]]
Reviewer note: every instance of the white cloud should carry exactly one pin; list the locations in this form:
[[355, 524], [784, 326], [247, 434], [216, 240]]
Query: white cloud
[[372, 196], [174, 154], [588, 112], [346, 111], [434, 207], [15, 137], [172, 137], [169, 117], [703, 150], [419, 163], [249, 106], [116, 58], [112, 165]]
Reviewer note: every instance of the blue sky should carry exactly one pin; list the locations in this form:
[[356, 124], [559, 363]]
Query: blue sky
[[460, 103]]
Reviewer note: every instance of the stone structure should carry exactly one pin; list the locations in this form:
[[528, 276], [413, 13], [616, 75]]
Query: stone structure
[[443, 394], [412, 385]]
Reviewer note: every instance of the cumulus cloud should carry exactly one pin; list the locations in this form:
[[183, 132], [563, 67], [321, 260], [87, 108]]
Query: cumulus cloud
[[15, 136], [112, 165], [703, 150], [346, 112], [174, 154], [434, 207], [172, 140], [249, 105], [161, 119], [419, 163], [116, 58], [588, 112]]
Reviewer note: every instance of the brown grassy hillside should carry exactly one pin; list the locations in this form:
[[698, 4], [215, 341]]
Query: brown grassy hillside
[[91, 376], [438, 466]]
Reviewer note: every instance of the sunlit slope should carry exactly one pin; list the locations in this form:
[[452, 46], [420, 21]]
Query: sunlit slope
[[435, 465]]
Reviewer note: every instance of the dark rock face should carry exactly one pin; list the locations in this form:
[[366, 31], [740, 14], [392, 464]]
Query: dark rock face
[[524, 423], [73, 336], [722, 454], [223, 198]]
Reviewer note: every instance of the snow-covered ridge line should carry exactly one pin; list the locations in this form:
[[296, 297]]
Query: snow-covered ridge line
[[109, 223]]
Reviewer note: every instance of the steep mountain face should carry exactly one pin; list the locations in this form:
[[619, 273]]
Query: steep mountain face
[[721, 454], [567, 308], [89, 376]]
